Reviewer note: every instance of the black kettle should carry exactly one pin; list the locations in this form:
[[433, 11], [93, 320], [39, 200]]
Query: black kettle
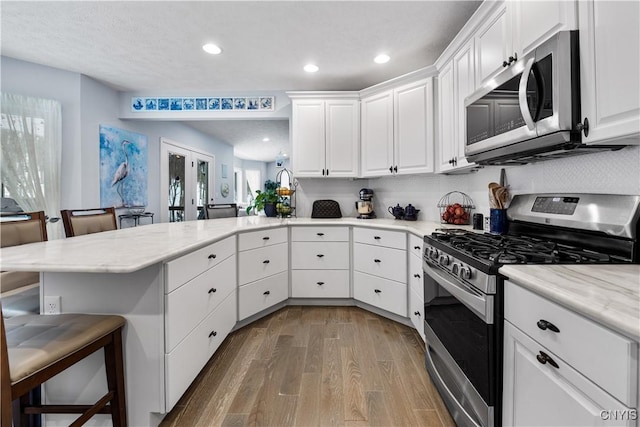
[[397, 211], [411, 213]]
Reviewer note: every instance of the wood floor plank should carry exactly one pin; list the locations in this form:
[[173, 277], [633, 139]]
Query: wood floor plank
[[273, 332], [315, 345], [331, 389], [377, 410], [395, 395], [249, 388], [346, 334], [380, 346], [355, 408], [428, 417], [235, 420], [364, 343], [290, 384], [308, 411]]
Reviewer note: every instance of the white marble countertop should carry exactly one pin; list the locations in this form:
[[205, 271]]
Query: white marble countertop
[[131, 249], [608, 294]]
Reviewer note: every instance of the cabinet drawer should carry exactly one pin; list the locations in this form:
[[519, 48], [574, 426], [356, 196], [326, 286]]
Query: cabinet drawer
[[181, 270], [260, 295], [390, 239], [184, 363], [321, 255], [189, 304], [260, 239], [319, 234], [320, 283], [379, 261], [605, 357], [415, 245], [415, 275], [416, 312], [260, 263], [382, 293]]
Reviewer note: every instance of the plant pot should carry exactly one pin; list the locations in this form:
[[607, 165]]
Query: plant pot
[[270, 209]]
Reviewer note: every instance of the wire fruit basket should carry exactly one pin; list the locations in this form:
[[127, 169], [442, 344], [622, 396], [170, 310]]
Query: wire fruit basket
[[455, 208]]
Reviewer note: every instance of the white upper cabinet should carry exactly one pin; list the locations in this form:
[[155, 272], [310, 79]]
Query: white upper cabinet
[[455, 83], [610, 70], [535, 21], [397, 130], [325, 136], [493, 45]]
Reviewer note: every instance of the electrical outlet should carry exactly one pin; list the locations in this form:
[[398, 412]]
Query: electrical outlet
[[52, 305]]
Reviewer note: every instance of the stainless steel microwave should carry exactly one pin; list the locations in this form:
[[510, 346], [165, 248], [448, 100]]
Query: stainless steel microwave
[[531, 110]]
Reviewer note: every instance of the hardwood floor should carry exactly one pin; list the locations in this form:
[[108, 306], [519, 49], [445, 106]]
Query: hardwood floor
[[315, 366]]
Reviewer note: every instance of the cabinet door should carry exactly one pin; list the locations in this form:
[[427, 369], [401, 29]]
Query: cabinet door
[[342, 138], [413, 128], [446, 134], [492, 46], [609, 70], [377, 134], [535, 21], [543, 395], [463, 86], [308, 135]]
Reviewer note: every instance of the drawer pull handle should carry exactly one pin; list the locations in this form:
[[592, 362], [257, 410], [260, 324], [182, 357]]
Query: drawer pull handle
[[417, 313], [376, 260], [544, 358], [212, 256], [213, 334], [212, 290], [376, 237], [320, 255], [320, 283], [417, 247], [265, 238], [544, 325], [266, 261], [320, 234], [377, 291], [417, 276], [266, 293]]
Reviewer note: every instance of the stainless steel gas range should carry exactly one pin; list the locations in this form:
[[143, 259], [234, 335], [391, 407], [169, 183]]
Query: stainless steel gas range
[[463, 287]]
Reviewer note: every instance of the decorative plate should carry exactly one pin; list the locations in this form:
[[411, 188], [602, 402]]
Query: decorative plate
[[224, 189]]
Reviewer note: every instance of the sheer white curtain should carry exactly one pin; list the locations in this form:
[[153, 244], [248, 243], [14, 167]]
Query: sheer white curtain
[[31, 153], [253, 183]]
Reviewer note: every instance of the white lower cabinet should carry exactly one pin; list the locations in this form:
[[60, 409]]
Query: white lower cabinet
[[416, 312], [262, 262], [379, 292], [380, 261], [262, 294], [320, 283], [563, 369], [416, 285], [189, 357]]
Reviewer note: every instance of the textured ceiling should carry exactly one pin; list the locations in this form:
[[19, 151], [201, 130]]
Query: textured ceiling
[[155, 46]]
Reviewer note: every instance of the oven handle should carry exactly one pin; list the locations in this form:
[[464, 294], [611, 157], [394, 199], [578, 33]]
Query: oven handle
[[479, 304], [522, 94]]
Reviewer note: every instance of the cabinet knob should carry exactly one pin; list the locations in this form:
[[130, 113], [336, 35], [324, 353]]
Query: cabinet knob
[[376, 237], [395, 169], [265, 238], [266, 261], [545, 358], [212, 334], [583, 127], [212, 256], [320, 283], [320, 234], [417, 276], [320, 255], [513, 58], [266, 293], [377, 291], [212, 290], [417, 247], [505, 64], [544, 325], [376, 260], [390, 169], [417, 313]]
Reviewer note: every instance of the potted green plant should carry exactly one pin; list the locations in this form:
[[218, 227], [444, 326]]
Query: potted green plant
[[264, 200]]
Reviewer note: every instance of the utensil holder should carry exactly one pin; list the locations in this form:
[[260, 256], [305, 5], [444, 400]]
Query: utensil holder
[[498, 221]]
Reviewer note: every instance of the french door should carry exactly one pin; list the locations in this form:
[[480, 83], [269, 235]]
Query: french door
[[186, 183]]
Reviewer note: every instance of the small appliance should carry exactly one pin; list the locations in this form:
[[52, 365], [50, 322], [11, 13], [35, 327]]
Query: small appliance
[[364, 206], [531, 110]]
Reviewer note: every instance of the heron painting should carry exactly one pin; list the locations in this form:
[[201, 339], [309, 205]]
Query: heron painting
[[123, 168]]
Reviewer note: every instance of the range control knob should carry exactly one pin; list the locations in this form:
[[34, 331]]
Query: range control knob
[[465, 272], [434, 253], [444, 260]]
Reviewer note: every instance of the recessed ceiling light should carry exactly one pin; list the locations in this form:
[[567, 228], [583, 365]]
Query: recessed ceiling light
[[381, 59], [265, 139], [311, 68], [212, 49]]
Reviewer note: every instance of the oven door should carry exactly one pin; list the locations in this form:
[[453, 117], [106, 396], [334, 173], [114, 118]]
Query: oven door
[[461, 353]]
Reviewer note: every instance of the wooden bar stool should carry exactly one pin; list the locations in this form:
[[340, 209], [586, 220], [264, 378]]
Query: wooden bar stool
[[35, 348], [86, 221]]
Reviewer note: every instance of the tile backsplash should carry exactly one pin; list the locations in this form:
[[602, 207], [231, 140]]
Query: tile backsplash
[[611, 172]]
